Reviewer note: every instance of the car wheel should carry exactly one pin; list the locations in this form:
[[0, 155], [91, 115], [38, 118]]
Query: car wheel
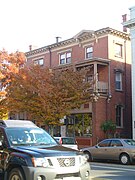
[[88, 155], [124, 159], [16, 174]]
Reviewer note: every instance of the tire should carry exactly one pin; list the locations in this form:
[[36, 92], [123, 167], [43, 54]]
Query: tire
[[88, 155], [16, 174], [124, 159]]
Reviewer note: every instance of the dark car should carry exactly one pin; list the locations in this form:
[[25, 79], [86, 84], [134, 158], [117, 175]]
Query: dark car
[[115, 149], [27, 152]]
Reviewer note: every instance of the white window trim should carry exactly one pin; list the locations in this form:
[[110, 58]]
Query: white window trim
[[38, 60], [116, 55], [86, 52], [64, 51], [119, 81], [65, 60], [88, 45]]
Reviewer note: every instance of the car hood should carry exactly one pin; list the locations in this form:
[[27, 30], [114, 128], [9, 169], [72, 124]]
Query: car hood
[[46, 151]]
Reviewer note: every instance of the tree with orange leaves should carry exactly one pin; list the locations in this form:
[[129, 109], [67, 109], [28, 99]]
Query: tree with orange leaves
[[47, 95], [9, 64]]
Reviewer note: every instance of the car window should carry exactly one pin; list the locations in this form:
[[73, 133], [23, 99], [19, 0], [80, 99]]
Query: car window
[[29, 136], [104, 143], [130, 142], [116, 143], [68, 141]]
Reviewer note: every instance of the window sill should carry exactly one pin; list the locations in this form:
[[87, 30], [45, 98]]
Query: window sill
[[119, 127], [118, 90]]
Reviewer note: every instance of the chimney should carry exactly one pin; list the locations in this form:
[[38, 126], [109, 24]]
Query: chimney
[[32, 47], [124, 18], [57, 39]]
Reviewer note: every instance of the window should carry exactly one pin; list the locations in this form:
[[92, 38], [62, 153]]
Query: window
[[39, 62], [89, 52], [21, 115], [115, 143], [89, 78], [104, 143], [118, 50], [118, 81], [119, 116], [65, 58], [82, 124]]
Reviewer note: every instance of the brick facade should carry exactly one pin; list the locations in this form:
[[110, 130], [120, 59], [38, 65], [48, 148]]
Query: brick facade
[[106, 63]]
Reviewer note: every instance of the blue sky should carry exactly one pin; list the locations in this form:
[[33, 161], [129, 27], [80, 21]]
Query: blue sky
[[38, 22]]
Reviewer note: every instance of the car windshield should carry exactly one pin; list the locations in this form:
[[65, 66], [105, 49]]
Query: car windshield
[[29, 136], [130, 142]]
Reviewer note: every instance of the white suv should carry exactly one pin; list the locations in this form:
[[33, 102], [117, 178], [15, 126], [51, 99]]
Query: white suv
[[69, 142]]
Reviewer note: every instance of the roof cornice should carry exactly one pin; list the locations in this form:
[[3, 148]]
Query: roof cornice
[[82, 35]]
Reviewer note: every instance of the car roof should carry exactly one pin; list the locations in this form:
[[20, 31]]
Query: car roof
[[17, 123], [117, 139], [65, 137]]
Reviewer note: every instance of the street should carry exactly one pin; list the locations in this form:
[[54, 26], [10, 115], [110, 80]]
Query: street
[[108, 171]]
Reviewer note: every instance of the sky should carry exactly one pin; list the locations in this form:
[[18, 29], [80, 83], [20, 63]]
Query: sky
[[38, 22]]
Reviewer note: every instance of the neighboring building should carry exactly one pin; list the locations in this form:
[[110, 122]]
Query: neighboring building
[[108, 52], [131, 25]]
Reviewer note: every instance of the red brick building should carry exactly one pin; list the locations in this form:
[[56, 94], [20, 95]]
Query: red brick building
[[108, 52]]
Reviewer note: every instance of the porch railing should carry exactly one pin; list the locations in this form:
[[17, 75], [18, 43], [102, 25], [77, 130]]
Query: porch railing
[[102, 87]]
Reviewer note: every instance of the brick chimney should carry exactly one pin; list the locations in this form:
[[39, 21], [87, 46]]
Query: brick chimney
[[32, 47], [124, 18]]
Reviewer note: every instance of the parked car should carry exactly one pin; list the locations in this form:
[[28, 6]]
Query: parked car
[[67, 142], [122, 150], [28, 152]]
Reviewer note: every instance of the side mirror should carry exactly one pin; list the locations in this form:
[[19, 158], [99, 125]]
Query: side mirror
[[96, 146]]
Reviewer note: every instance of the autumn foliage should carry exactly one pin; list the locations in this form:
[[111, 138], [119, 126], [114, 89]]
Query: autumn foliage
[[46, 95], [9, 64]]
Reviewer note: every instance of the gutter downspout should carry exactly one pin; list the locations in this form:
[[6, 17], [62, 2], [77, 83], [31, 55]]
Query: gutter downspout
[[109, 96], [50, 58]]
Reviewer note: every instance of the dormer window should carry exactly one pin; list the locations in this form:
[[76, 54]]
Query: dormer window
[[89, 52], [65, 58]]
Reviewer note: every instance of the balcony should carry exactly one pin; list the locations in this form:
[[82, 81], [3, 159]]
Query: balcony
[[102, 87]]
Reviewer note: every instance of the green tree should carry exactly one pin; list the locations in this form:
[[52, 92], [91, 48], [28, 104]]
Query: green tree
[[108, 127]]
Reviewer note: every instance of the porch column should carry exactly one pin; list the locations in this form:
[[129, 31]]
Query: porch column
[[95, 77]]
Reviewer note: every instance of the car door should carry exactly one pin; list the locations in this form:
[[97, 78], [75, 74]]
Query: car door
[[114, 149], [100, 150], [3, 152]]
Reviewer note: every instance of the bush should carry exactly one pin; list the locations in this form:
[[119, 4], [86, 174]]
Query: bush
[[108, 127]]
